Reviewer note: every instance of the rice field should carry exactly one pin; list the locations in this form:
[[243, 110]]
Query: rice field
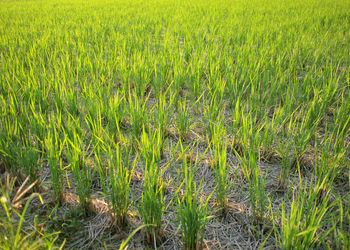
[[173, 124]]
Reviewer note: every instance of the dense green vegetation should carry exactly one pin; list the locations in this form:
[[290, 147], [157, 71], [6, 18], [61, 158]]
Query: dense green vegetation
[[218, 124]]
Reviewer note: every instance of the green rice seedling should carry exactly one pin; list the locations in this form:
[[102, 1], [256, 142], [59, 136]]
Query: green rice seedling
[[341, 130], [9, 148], [219, 147], [285, 152], [250, 149], [258, 197], [116, 112], [93, 108], [117, 190], [99, 133], [81, 171], [137, 112], [326, 167], [91, 102], [301, 227], [153, 200], [158, 81], [59, 96], [302, 134], [179, 78], [113, 167], [183, 121], [197, 73], [163, 114], [152, 204], [151, 146], [250, 166], [13, 236], [73, 102], [193, 214], [124, 245], [54, 149], [237, 116], [340, 239], [212, 116], [18, 149], [37, 122], [105, 108], [256, 181], [216, 88], [141, 74], [269, 130], [29, 160], [71, 125], [100, 152]]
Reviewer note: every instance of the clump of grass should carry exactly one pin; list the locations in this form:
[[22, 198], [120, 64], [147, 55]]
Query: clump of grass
[[250, 166], [340, 226], [285, 152], [163, 113], [302, 227], [212, 116], [152, 207], [183, 121], [8, 144], [302, 133], [193, 213], [116, 112], [12, 234], [257, 194], [54, 149], [137, 112], [116, 182], [219, 147], [29, 160], [81, 171]]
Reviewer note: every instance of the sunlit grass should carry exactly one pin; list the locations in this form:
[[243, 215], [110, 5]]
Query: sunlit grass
[[91, 91]]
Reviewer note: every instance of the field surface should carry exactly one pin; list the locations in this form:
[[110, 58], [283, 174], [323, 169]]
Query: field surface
[[183, 124]]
